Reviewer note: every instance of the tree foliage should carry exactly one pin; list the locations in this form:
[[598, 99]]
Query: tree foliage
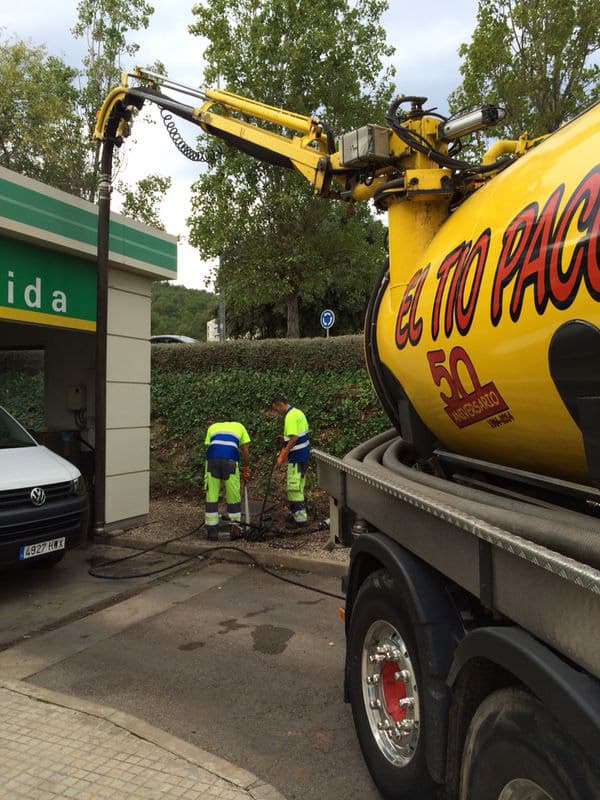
[[41, 132], [534, 57], [104, 25], [182, 311], [48, 108], [281, 248], [143, 202]]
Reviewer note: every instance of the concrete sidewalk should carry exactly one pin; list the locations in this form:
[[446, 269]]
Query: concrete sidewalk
[[55, 746]]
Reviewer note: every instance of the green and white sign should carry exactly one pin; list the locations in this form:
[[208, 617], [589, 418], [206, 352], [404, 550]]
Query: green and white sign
[[46, 287], [48, 253], [36, 211]]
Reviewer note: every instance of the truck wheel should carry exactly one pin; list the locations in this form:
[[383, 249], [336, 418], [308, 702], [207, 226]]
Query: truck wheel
[[47, 561], [383, 675], [516, 750]]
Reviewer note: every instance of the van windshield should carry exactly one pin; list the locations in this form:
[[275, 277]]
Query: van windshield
[[12, 434]]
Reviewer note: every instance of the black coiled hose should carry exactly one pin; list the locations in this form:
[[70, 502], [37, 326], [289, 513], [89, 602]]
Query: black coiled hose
[[178, 140]]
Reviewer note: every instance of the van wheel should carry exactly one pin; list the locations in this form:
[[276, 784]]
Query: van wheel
[[47, 561], [516, 750], [383, 675]]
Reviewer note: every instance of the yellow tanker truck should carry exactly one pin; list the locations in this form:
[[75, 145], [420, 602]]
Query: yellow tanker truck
[[473, 595]]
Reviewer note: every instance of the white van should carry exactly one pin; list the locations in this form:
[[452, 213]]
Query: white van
[[43, 501]]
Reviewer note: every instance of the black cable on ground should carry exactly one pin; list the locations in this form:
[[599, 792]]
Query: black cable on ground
[[204, 554], [140, 574], [150, 549], [137, 554], [257, 563], [209, 551]]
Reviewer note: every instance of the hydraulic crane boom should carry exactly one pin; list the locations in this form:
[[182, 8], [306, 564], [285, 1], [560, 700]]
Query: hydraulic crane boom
[[367, 159], [225, 115]]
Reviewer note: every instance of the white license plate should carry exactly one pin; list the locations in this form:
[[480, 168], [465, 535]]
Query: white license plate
[[32, 550]]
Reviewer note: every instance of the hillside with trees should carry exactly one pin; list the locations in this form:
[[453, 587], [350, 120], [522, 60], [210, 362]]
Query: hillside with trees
[[182, 311]]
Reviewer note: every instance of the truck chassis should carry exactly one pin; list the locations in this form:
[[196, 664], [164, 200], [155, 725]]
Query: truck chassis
[[460, 622]]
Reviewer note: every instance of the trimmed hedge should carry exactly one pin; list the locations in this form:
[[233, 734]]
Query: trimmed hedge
[[22, 395], [308, 355], [192, 386]]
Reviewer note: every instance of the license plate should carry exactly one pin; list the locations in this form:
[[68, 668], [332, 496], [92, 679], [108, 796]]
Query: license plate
[[39, 549]]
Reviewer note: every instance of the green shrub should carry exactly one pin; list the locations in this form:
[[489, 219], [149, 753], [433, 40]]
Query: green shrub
[[338, 400], [308, 355], [22, 395], [192, 385]]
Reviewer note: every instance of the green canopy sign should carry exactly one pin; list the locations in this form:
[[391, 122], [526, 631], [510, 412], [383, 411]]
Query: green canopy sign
[[48, 254], [46, 287]]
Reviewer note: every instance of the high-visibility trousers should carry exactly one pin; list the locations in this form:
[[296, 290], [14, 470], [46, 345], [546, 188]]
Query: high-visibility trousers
[[221, 472], [296, 478]]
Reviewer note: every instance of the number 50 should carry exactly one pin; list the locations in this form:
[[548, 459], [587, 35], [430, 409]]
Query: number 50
[[450, 374]]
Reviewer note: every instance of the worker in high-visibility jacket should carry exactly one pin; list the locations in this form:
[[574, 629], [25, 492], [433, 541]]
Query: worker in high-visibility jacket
[[296, 453], [226, 442]]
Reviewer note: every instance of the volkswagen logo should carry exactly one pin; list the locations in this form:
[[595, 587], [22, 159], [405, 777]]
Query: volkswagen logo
[[38, 496]]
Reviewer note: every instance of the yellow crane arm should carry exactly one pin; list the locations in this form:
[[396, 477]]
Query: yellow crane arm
[[227, 116], [408, 160]]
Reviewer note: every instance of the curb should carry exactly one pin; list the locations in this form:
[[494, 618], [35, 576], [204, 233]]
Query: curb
[[256, 788], [318, 566]]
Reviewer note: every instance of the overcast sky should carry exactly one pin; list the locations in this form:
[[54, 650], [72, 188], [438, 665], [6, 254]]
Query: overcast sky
[[426, 41]]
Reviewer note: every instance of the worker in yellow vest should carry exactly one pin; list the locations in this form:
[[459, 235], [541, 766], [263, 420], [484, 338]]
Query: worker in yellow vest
[[296, 453], [227, 443]]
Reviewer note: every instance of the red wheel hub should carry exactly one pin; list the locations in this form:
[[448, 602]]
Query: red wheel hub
[[393, 691]]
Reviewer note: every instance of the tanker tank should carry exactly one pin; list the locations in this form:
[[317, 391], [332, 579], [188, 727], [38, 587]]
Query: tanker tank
[[489, 344]]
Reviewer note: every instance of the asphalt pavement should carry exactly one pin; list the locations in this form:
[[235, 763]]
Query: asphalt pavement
[[224, 657], [33, 600]]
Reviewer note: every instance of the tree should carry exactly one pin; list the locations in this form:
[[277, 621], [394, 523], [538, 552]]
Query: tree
[[46, 121], [182, 311], [534, 57], [143, 202], [278, 244], [104, 24], [40, 128], [341, 258]]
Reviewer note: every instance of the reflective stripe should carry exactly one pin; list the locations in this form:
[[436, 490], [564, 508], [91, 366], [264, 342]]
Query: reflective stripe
[[300, 446], [302, 441], [301, 436], [224, 444], [229, 435], [301, 450]]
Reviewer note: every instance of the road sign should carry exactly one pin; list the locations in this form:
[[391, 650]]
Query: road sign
[[327, 319]]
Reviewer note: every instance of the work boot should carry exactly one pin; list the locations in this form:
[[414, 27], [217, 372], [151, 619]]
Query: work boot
[[292, 522], [235, 531], [212, 536], [252, 534]]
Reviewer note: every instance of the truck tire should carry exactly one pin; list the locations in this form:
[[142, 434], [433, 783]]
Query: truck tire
[[516, 750], [383, 675]]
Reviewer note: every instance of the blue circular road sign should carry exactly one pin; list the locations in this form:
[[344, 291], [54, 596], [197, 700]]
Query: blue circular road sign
[[327, 319]]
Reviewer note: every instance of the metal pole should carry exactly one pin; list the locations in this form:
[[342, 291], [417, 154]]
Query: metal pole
[[222, 321], [104, 192], [327, 333]]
